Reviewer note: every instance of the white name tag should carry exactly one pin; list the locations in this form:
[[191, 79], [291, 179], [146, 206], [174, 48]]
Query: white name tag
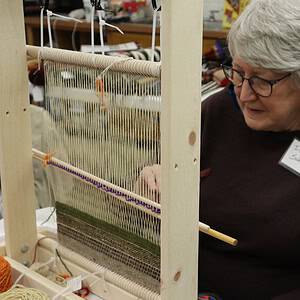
[[291, 158]]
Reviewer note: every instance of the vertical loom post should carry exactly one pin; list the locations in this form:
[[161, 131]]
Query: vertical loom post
[[181, 79], [15, 136]]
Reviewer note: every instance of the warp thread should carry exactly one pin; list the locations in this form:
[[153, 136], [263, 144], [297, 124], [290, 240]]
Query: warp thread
[[5, 275], [104, 188]]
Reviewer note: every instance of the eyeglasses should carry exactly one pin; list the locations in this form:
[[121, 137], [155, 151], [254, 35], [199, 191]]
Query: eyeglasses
[[260, 86]]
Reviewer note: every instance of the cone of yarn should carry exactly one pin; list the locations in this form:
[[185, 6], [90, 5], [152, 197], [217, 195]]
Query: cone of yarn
[[5, 275]]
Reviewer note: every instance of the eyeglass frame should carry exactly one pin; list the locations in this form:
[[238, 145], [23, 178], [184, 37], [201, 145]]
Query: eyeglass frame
[[270, 82]]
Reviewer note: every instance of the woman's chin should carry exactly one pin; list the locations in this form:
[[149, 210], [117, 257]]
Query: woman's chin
[[256, 120], [258, 125]]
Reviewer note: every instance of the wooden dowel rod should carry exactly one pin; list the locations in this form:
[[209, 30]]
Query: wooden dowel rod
[[221, 236]]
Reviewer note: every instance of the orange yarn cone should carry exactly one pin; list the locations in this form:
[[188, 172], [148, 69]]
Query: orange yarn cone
[[5, 275]]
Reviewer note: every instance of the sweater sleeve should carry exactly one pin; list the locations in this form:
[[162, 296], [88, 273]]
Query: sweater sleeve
[[292, 295]]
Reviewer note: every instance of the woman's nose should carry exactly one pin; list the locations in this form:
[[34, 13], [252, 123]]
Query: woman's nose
[[246, 93]]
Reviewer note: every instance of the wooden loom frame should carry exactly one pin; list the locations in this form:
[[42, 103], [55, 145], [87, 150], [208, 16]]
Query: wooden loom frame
[[181, 71]]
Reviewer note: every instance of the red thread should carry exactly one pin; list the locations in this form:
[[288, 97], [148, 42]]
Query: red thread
[[83, 293]]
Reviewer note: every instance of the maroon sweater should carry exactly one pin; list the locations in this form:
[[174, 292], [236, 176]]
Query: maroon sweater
[[249, 196]]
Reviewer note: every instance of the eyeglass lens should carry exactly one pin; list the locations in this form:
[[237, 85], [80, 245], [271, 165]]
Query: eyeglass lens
[[258, 85]]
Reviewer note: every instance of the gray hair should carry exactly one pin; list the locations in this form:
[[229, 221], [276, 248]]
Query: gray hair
[[267, 35]]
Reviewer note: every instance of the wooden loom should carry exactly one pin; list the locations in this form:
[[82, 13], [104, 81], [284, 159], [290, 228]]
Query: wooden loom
[[180, 160]]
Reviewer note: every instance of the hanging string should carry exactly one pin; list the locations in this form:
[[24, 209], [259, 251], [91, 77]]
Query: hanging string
[[112, 26], [49, 28], [153, 33], [156, 9], [73, 36], [101, 24], [92, 28], [42, 27], [49, 15], [96, 7], [64, 17], [43, 5]]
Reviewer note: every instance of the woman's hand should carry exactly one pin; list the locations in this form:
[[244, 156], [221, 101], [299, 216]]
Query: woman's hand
[[148, 183]]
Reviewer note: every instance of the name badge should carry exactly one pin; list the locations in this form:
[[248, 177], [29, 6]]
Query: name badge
[[291, 158]]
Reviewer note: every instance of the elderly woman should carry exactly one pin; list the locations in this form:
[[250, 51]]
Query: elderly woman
[[250, 146]]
